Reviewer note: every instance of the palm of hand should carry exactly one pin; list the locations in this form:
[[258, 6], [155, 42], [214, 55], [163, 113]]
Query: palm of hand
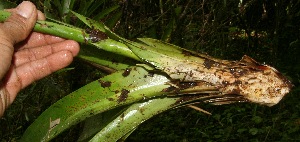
[[32, 59], [35, 58]]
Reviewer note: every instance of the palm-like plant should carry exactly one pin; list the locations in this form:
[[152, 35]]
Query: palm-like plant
[[161, 76]]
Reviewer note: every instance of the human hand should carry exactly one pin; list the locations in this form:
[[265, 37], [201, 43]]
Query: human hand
[[27, 56]]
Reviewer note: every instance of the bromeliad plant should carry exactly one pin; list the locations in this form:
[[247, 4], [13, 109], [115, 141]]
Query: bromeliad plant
[[158, 76]]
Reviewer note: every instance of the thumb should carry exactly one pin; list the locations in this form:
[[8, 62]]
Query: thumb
[[15, 29], [19, 25]]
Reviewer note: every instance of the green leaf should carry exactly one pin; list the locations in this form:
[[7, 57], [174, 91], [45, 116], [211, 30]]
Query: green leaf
[[48, 9], [94, 5], [126, 136], [4, 15], [67, 5], [89, 22], [104, 58], [107, 44], [241, 130], [132, 117], [168, 30], [111, 22], [95, 123], [179, 64], [84, 6], [117, 89], [138, 113], [105, 12], [178, 11], [257, 119], [115, 47], [161, 45], [59, 7], [253, 131], [87, 8]]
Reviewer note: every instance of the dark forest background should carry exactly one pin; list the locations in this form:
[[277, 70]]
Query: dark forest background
[[266, 30]]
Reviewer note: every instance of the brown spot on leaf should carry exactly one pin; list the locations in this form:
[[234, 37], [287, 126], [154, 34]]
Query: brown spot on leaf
[[144, 96], [104, 83], [143, 48], [110, 99], [123, 96], [95, 35], [234, 92], [237, 82], [142, 110], [208, 63], [170, 89], [186, 53], [178, 86], [126, 72]]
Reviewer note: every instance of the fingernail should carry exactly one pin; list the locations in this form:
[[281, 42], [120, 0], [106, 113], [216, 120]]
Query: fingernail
[[25, 9]]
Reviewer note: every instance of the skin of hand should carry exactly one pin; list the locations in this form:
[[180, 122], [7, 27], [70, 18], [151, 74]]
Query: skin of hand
[[28, 56]]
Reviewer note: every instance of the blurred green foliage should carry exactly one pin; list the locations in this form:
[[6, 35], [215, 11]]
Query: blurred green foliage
[[266, 30]]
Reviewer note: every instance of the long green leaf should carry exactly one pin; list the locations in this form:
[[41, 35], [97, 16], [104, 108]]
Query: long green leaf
[[105, 12], [111, 22], [132, 117], [94, 5], [168, 31], [176, 64], [47, 10], [137, 114], [67, 5], [104, 58], [95, 123], [120, 88], [160, 45]]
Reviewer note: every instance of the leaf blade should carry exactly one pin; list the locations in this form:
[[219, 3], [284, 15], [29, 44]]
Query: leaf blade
[[69, 111]]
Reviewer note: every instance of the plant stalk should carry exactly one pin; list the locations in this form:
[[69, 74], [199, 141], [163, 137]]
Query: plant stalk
[[80, 35]]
